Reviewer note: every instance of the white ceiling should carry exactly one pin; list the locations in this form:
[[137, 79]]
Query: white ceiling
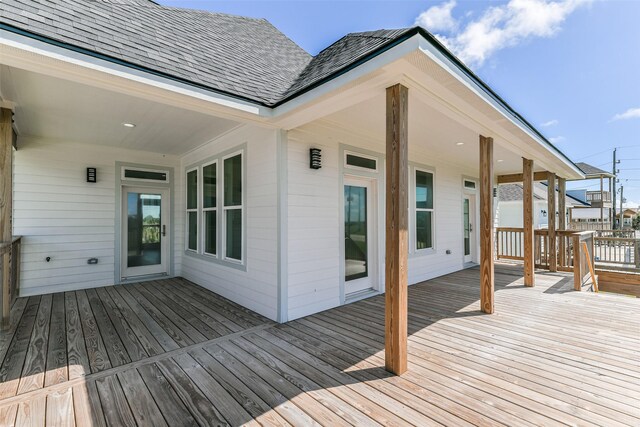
[[64, 110], [430, 132]]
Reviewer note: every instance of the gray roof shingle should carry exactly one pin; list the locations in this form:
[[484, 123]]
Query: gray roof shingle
[[590, 170], [245, 57]]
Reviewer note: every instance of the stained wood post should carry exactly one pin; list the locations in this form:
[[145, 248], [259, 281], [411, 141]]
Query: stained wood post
[[562, 219], [6, 175], [602, 202], [527, 223], [552, 250], [397, 243], [577, 261], [486, 225]]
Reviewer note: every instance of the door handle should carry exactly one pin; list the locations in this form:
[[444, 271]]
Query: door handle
[[164, 230], [470, 227]]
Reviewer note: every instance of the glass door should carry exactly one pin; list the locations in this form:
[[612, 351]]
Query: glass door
[[144, 225], [358, 237], [467, 229]]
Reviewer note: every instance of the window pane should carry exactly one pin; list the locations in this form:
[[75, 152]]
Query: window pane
[[143, 225], [424, 230], [233, 181], [355, 232], [192, 219], [192, 189], [149, 175], [424, 190], [234, 234], [361, 162], [210, 232], [209, 186]]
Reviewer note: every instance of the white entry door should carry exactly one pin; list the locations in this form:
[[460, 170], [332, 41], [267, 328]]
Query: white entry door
[[145, 236], [468, 219], [359, 236]]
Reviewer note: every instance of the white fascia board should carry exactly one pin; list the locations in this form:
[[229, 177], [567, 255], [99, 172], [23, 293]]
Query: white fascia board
[[25, 52], [453, 69]]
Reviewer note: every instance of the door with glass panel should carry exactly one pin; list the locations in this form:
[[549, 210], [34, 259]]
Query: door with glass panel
[[359, 239], [145, 236], [468, 215]]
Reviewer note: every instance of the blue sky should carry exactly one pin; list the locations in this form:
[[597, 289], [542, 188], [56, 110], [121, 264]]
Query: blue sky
[[571, 67]]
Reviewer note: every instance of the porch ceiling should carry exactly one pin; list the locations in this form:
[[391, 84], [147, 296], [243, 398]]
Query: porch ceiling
[[430, 131], [57, 109]]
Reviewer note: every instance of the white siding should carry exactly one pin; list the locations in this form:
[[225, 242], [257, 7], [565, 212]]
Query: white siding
[[62, 216], [314, 261], [257, 287]]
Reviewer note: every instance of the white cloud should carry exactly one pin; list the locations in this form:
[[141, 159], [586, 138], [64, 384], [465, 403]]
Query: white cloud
[[550, 123], [438, 18], [498, 27], [556, 139], [631, 113]]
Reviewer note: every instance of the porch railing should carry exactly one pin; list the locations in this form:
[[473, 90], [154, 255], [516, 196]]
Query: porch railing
[[10, 276], [575, 250], [617, 253], [589, 226]]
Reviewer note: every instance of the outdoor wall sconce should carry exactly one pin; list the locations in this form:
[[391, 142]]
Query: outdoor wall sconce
[[92, 175], [543, 212], [315, 158]]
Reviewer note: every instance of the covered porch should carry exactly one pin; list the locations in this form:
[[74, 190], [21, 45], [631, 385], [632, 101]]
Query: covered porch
[[549, 356]]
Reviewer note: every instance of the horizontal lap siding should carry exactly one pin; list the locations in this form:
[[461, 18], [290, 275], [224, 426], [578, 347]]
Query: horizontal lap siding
[[255, 288], [62, 216], [314, 217]]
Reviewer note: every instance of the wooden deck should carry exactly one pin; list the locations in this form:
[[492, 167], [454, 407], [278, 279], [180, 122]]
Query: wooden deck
[[170, 353]]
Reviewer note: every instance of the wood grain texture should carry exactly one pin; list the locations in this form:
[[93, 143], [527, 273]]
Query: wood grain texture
[[6, 199], [518, 177], [396, 229], [486, 226], [527, 211], [551, 218], [562, 220], [57, 367]]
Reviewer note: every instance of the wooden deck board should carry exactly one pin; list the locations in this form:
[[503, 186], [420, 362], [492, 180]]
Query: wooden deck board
[[171, 353]]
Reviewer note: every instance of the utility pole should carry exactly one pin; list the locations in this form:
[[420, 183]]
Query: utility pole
[[621, 200], [613, 191]]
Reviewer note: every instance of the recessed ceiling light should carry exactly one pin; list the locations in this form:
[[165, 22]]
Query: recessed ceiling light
[[459, 143], [500, 160], [129, 125]]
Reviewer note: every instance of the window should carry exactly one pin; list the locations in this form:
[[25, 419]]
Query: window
[[192, 210], [360, 162], [233, 207], [469, 184], [209, 208], [144, 175], [215, 208], [423, 210]]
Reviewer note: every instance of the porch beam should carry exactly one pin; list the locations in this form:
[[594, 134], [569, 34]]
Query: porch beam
[[527, 210], [518, 177], [551, 209], [6, 198], [396, 232], [486, 225]]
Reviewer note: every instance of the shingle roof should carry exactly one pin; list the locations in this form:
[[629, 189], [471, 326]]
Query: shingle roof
[[245, 57], [515, 193], [590, 170]]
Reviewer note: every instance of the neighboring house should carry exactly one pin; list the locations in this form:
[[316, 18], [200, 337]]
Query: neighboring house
[[627, 217], [199, 126], [509, 211], [598, 212]]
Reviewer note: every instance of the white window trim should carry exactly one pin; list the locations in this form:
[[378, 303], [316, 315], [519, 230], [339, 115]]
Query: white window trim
[[189, 210], [364, 156], [413, 210], [203, 233], [240, 207]]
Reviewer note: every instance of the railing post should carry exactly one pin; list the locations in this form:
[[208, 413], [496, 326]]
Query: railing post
[[637, 254], [577, 274]]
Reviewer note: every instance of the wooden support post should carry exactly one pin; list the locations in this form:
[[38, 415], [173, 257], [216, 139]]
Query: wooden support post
[[562, 219], [486, 225], [6, 197], [397, 242], [577, 263], [552, 250], [527, 223]]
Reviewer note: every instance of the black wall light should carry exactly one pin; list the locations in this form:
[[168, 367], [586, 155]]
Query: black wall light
[[315, 158], [92, 175]]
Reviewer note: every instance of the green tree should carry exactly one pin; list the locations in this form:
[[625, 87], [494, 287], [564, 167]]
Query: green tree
[[636, 222]]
